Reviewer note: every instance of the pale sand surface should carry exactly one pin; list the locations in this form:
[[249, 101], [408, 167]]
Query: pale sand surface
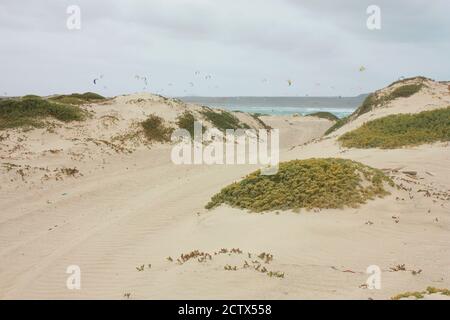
[[133, 209]]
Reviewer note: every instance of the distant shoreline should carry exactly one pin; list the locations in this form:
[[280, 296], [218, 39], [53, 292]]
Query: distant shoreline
[[339, 106]]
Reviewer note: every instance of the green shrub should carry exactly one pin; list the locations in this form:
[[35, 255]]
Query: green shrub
[[30, 112], [312, 183], [155, 130], [223, 120], [368, 104], [324, 115], [401, 130], [186, 121], [337, 125]]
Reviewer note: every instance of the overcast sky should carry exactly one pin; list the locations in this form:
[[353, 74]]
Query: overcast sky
[[248, 47]]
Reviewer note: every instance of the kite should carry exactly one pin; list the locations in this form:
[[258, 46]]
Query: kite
[[289, 82], [97, 79], [362, 68], [138, 77]]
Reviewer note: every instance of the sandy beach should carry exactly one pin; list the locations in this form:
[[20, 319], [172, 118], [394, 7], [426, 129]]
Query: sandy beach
[[125, 213]]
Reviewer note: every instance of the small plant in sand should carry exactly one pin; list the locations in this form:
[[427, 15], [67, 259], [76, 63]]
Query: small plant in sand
[[127, 295], [399, 267], [401, 130], [140, 268], [31, 112], [266, 257], [276, 274], [312, 183], [230, 268], [70, 172], [258, 265], [155, 129]]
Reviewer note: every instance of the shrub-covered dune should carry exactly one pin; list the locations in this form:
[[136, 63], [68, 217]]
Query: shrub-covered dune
[[31, 111], [385, 97], [312, 183], [78, 98], [401, 130]]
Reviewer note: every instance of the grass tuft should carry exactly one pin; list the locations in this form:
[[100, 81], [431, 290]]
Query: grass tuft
[[337, 125], [223, 120], [400, 130], [186, 121], [312, 183], [155, 130]]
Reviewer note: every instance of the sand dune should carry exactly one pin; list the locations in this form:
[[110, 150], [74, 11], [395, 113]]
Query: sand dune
[[129, 206]]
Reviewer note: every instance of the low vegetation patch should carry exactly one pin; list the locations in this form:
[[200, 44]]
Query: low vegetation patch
[[339, 123], [257, 117], [32, 111], [324, 115], [401, 130], [78, 98], [223, 120], [186, 121], [405, 91], [376, 99], [421, 294], [417, 78], [31, 96], [155, 129], [312, 183]]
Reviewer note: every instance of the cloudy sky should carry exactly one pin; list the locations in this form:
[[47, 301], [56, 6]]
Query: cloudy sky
[[248, 47]]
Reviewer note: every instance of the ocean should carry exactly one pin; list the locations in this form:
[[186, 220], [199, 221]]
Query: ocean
[[340, 106]]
